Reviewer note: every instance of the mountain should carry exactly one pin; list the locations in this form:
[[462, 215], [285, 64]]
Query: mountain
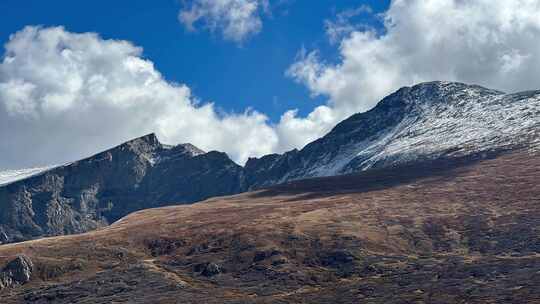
[[455, 230], [94, 192], [426, 122]]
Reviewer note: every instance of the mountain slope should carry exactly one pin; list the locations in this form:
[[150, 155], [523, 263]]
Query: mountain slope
[[96, 191], [427, 121], [462, 230], [430, 121]]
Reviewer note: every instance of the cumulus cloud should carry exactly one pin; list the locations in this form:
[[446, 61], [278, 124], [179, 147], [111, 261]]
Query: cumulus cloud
[[65, 95], [491, 43], [296, 132], [236, 20]]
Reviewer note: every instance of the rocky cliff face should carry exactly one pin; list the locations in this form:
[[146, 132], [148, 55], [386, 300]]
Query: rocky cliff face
[[97, 191], [426, 122]]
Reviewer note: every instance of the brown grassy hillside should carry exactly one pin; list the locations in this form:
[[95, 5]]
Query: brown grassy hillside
[[461, 232]]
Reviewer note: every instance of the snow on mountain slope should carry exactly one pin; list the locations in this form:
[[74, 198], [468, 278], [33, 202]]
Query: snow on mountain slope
[[426, 121], [10, 176], [465, 121]]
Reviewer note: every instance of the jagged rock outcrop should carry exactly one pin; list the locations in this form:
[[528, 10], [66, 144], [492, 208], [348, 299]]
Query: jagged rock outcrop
[[94, 192], [17, 272], [428, 121]]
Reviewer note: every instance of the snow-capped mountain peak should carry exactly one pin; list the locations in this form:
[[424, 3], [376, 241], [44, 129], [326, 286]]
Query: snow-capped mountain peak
[[427, 121]]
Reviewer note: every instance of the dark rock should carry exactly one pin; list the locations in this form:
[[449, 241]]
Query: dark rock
[[197, 249], [99, 190], [208, 269], [17, 272], [164, 246], [4, 238], [259, 256], [274, 257], [369, 270], [337, 258], [279, 260]]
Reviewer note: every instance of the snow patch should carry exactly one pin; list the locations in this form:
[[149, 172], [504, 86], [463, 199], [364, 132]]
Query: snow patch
[[10, 176]]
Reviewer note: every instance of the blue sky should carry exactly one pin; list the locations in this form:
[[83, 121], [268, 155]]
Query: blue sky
[[66, 93], [233, 76]]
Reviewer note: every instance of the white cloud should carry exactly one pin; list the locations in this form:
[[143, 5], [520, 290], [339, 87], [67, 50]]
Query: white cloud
[[492, 43], [237, 20], [342, 25], [296, 132], [65, 95]]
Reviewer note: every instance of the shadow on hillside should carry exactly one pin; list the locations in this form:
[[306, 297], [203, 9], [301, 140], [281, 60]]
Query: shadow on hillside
[[375, 179]]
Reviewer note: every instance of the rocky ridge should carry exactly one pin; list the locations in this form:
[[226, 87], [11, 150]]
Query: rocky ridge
[[425, 122], [94, 192], [430, 121]]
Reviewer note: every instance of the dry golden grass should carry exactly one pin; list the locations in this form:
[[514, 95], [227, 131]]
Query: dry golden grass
[[446, 232]]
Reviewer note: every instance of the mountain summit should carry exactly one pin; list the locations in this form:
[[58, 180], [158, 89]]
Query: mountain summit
[[94, 192], [427, 122], [424, 122]]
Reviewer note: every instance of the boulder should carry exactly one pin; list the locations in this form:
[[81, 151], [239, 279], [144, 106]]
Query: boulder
[[208, 269], [17, 272]]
